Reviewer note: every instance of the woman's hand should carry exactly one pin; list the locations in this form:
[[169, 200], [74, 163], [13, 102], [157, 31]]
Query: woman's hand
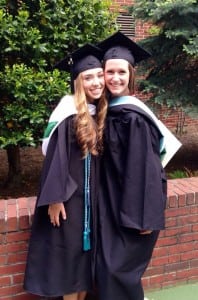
[[55, 211], [145, 231]]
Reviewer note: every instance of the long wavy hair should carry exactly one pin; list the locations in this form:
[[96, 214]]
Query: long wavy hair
[[89, 130]]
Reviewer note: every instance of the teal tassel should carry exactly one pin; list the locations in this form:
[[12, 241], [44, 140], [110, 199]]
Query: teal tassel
[[86, 241], [87, 205]]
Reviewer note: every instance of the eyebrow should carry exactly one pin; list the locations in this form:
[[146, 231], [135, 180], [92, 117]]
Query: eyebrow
[[112, 69], [91, 74]]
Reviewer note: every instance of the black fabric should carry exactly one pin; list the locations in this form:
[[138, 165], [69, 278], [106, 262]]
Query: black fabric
[[56, 263], [118, 52], [132, 197], [119, 46], [84, 58]]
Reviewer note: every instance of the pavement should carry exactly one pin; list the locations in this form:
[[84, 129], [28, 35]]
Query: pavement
[[181, 292]]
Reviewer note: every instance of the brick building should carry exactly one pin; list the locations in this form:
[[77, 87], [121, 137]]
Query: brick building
[[178, 121]]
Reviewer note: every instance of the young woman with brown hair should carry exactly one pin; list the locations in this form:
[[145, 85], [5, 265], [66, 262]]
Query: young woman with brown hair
[[132, 197]]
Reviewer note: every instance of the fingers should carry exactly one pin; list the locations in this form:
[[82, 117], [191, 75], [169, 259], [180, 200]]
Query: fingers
[[53, 222], [56, 220], [145, 232], [52, 217], [63, 213], [55, 211]]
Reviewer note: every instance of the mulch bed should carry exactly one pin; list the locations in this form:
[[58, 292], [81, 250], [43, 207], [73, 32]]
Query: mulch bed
[[186, 160]]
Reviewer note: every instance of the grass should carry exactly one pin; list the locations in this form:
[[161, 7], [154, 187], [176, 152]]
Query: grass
[[182, 174]]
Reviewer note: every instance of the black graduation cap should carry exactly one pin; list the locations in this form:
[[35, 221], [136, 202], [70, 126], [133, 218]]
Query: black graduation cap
[[85, 58], [119, 46]]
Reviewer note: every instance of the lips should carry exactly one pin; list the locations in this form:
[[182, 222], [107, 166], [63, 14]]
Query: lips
[[115, 86], [96, 91]]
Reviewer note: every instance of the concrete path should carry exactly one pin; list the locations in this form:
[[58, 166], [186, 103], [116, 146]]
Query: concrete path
[[183, 292]]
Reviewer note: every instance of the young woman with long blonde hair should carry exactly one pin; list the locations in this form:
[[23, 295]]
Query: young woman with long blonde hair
[[61, 249]]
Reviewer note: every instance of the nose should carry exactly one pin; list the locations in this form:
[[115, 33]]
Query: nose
[[115, 76], [96, 81]]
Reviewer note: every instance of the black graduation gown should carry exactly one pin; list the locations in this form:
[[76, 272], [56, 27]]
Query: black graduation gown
[[56, 263], [132, 198]]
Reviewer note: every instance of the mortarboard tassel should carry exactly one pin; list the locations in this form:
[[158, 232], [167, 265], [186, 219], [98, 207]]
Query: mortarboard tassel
[[87, 207]]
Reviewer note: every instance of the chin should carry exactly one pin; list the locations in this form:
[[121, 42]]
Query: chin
[[114, 94], [96, 96]]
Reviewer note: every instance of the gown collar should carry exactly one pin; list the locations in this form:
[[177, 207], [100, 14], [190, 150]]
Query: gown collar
[[92, 109]]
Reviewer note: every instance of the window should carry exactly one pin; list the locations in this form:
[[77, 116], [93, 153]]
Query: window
[[127, 24]]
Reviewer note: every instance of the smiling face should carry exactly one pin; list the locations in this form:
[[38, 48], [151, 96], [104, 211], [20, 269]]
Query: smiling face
[[93, 83], [117, 76]]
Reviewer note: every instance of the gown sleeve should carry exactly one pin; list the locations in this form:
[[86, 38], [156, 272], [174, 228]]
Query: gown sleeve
[[56, 184], [144, 183]]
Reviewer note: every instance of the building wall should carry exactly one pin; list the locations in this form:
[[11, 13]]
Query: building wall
[[174, 260], [174, 119]]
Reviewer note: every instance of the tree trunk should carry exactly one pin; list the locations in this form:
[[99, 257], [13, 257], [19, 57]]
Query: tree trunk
[[14, 166]]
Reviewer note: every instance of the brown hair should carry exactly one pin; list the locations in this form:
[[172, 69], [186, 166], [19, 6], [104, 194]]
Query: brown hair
[[131, 84], [89, 131]]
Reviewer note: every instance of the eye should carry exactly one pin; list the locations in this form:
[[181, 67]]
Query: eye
[[122, 72], [109, 72], [87, 78]]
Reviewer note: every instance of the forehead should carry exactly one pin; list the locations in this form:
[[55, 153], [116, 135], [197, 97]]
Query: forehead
[[94, 71], [116, 63]]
